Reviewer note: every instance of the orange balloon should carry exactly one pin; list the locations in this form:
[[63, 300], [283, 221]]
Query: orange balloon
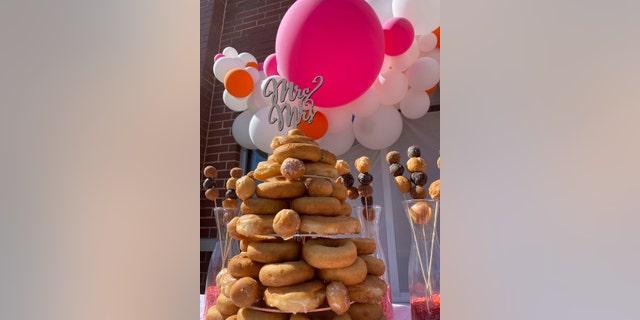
[[252, 64], [238, 83], [432, 89], [317, 128], [437, 33]]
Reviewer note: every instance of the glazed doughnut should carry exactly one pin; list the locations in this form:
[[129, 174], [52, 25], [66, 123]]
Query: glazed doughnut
[[320, 169], [434, 190], [327, 253], [292, 168], [266, 169], [281, 189], [232, 229], [286, 223], [302, 151], [224, 281], [286, 273], [350, 275], [318, 187], [263, 206], [252, 314], [214, 314], [241, 266], [342, 167], [420, 212], [363, 164], [338, 297], [311, 224], [225, 306], [371, 290], [230, 203], [366, 311], [274, 251], [339, 192], [346, 209], [245, 292], [327, 157], [375, 266], [416, 164], [250, 225], [282, 140], [297, 298], [324, 206], [364, 245], [245, 188]]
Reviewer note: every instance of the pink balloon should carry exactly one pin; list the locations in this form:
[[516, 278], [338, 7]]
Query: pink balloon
[[340, 40], [398, 36], [218, 56], [271, 65]]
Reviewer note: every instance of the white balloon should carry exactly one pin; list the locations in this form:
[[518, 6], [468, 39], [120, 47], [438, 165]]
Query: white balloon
[[423, 74], [224, 65], [240, 130], [382, 8], [255, 74], [230, 52], [366, 104], [391, 87], [256, 100], [262, 132], [247, 57], [340, 142], [235, 104], [405, 60], [415, 104], [424, 15], [434, 54], [380, 130], [338, 118], [386, 64], [427, 42]]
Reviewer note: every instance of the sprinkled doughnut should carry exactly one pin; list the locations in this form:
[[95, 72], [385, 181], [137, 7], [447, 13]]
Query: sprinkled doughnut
[[302, 151], [324, 206], [286, 273], [375, 266], [338, 297], [297, 298], [274, 251], [350, 275], [281, 189], [371, 290], [263, 206], [327, 253], [312, 224]]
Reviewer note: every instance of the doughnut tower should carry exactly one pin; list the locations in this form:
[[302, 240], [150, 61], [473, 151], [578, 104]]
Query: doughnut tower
[[302, 256]]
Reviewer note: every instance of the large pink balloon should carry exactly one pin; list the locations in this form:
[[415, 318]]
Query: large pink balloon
[[340, 40]]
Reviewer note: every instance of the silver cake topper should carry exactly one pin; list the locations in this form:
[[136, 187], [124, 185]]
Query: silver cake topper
[[283, 95]]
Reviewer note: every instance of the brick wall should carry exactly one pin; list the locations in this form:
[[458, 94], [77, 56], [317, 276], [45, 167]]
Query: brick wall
[[248, 26]]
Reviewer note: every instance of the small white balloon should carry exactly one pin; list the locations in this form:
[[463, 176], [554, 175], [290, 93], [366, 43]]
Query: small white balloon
[[427, 42], [262, 132], [235, 104], [380, 130], [247, 57], [240, 129], [340, 142], [405, 60], [255, 74], [391, 87], [434, 54], [365, 105], [224, 65], [424, 74], [415, 104], [386, 64], [256, 100], [338, 118], [230, 52]]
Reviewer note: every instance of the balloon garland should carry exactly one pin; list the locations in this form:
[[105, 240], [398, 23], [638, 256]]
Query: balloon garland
[[378, 60]]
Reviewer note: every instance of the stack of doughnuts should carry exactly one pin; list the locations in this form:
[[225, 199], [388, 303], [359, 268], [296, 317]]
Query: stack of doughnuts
[[301, 256]]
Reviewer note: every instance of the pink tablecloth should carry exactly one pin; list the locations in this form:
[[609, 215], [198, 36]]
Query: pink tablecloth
[[400, 311]]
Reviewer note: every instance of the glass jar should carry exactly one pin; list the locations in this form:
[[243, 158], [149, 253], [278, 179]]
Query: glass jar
[[370, 220], [424, 258], [225, 248]]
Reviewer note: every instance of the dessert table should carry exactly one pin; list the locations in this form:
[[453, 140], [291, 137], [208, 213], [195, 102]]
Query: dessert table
[[400, 311]]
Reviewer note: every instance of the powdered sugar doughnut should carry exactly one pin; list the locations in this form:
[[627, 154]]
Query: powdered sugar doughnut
[[292, 168]]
